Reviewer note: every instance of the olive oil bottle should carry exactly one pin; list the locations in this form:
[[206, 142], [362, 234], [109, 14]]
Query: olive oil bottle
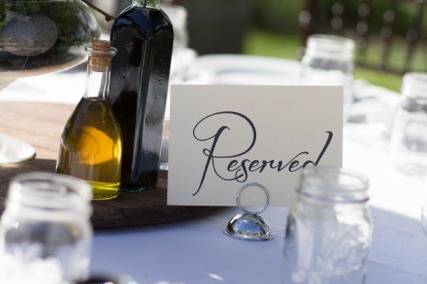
[[91, 144]]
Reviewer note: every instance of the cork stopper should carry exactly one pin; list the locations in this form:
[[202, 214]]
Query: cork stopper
[[101, 44], [100, 54]]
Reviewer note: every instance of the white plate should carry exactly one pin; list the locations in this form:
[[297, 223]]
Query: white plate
[[13, 150], [246, 69]]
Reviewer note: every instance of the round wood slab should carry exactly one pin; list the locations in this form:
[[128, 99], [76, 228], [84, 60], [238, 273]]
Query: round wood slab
[[41, 125]]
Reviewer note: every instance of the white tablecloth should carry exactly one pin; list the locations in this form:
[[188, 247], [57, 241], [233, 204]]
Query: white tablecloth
[[196, 251]]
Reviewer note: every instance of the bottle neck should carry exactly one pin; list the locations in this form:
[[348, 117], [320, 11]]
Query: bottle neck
[[98, 82], [155, 4]]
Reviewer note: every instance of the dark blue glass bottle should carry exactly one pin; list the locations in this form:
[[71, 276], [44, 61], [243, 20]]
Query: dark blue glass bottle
[[143, 36]]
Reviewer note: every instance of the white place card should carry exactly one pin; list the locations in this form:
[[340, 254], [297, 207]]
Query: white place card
[[223, 137]]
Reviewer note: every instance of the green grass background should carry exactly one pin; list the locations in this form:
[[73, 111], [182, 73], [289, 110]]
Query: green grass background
[[287, 46]]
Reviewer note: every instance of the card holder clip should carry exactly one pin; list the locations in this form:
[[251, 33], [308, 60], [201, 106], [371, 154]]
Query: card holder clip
[[249, 225]]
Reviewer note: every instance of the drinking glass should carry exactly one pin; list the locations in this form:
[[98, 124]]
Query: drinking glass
[[328, 60], [45, 231], [408, 146], [329, 231]]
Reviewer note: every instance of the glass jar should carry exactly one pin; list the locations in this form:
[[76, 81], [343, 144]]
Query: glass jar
[[328, 60], [329, 231], [45, 230], [408, 146]]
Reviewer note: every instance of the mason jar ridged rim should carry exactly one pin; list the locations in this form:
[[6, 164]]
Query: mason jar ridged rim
[[51, 192], [330, 47], [334, 185]]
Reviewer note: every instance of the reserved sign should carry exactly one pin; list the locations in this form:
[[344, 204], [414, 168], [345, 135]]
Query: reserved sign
[[223, 137]]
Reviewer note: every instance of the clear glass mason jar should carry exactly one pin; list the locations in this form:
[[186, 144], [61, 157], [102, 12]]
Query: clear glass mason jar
[[329, 231], [328, 60], [45, 228], [408, 146]]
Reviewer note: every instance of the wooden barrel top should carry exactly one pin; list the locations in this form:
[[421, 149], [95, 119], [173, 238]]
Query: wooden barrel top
[[41, 125]]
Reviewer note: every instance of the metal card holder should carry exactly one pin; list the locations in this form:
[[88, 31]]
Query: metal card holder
[[249, 225]]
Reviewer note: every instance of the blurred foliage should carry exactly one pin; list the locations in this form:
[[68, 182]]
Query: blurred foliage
[[405, 14], [280, 15], [265, 43], [398, 54]]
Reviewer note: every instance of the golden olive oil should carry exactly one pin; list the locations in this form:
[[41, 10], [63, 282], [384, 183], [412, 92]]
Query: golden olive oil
[[91, 148], [91, 143]]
